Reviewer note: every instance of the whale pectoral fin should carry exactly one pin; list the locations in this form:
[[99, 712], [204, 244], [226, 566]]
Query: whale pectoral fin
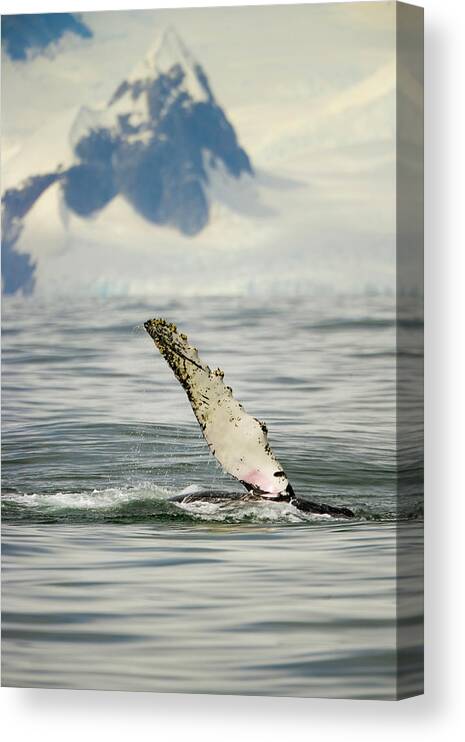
[[238, 440]]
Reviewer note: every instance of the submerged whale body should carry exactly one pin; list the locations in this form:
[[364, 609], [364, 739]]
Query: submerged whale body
[[237, 440]]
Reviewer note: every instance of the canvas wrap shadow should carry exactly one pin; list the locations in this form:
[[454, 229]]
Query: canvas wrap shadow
[[254, 175]]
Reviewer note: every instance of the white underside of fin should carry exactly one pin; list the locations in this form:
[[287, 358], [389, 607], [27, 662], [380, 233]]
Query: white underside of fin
[[238, 440]]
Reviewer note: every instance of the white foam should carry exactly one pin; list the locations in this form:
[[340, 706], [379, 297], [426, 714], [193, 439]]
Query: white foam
[[262, 511], [111, 497], [95, 499]]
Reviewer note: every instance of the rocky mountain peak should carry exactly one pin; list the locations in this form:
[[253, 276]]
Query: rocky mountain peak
[[170, 56]]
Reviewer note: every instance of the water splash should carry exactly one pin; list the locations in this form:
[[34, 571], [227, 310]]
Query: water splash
[[145, 502]]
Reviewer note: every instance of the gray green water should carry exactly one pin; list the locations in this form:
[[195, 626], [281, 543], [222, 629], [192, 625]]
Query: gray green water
[[108, 585]]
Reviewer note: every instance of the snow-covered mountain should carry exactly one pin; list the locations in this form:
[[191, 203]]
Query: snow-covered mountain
[[157, 145], [150, 193]]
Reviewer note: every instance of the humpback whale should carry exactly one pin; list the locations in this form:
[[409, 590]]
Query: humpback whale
[[237, 440]]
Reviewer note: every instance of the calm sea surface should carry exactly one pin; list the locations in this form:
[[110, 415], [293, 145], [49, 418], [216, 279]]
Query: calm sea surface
[[107, 585]]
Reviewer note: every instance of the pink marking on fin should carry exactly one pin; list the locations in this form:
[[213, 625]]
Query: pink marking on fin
[[261, 481]]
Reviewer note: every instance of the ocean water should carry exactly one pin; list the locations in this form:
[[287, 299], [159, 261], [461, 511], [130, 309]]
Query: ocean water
[[108, 585]]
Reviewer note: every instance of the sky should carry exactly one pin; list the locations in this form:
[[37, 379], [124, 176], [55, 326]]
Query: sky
[[310, 90]]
